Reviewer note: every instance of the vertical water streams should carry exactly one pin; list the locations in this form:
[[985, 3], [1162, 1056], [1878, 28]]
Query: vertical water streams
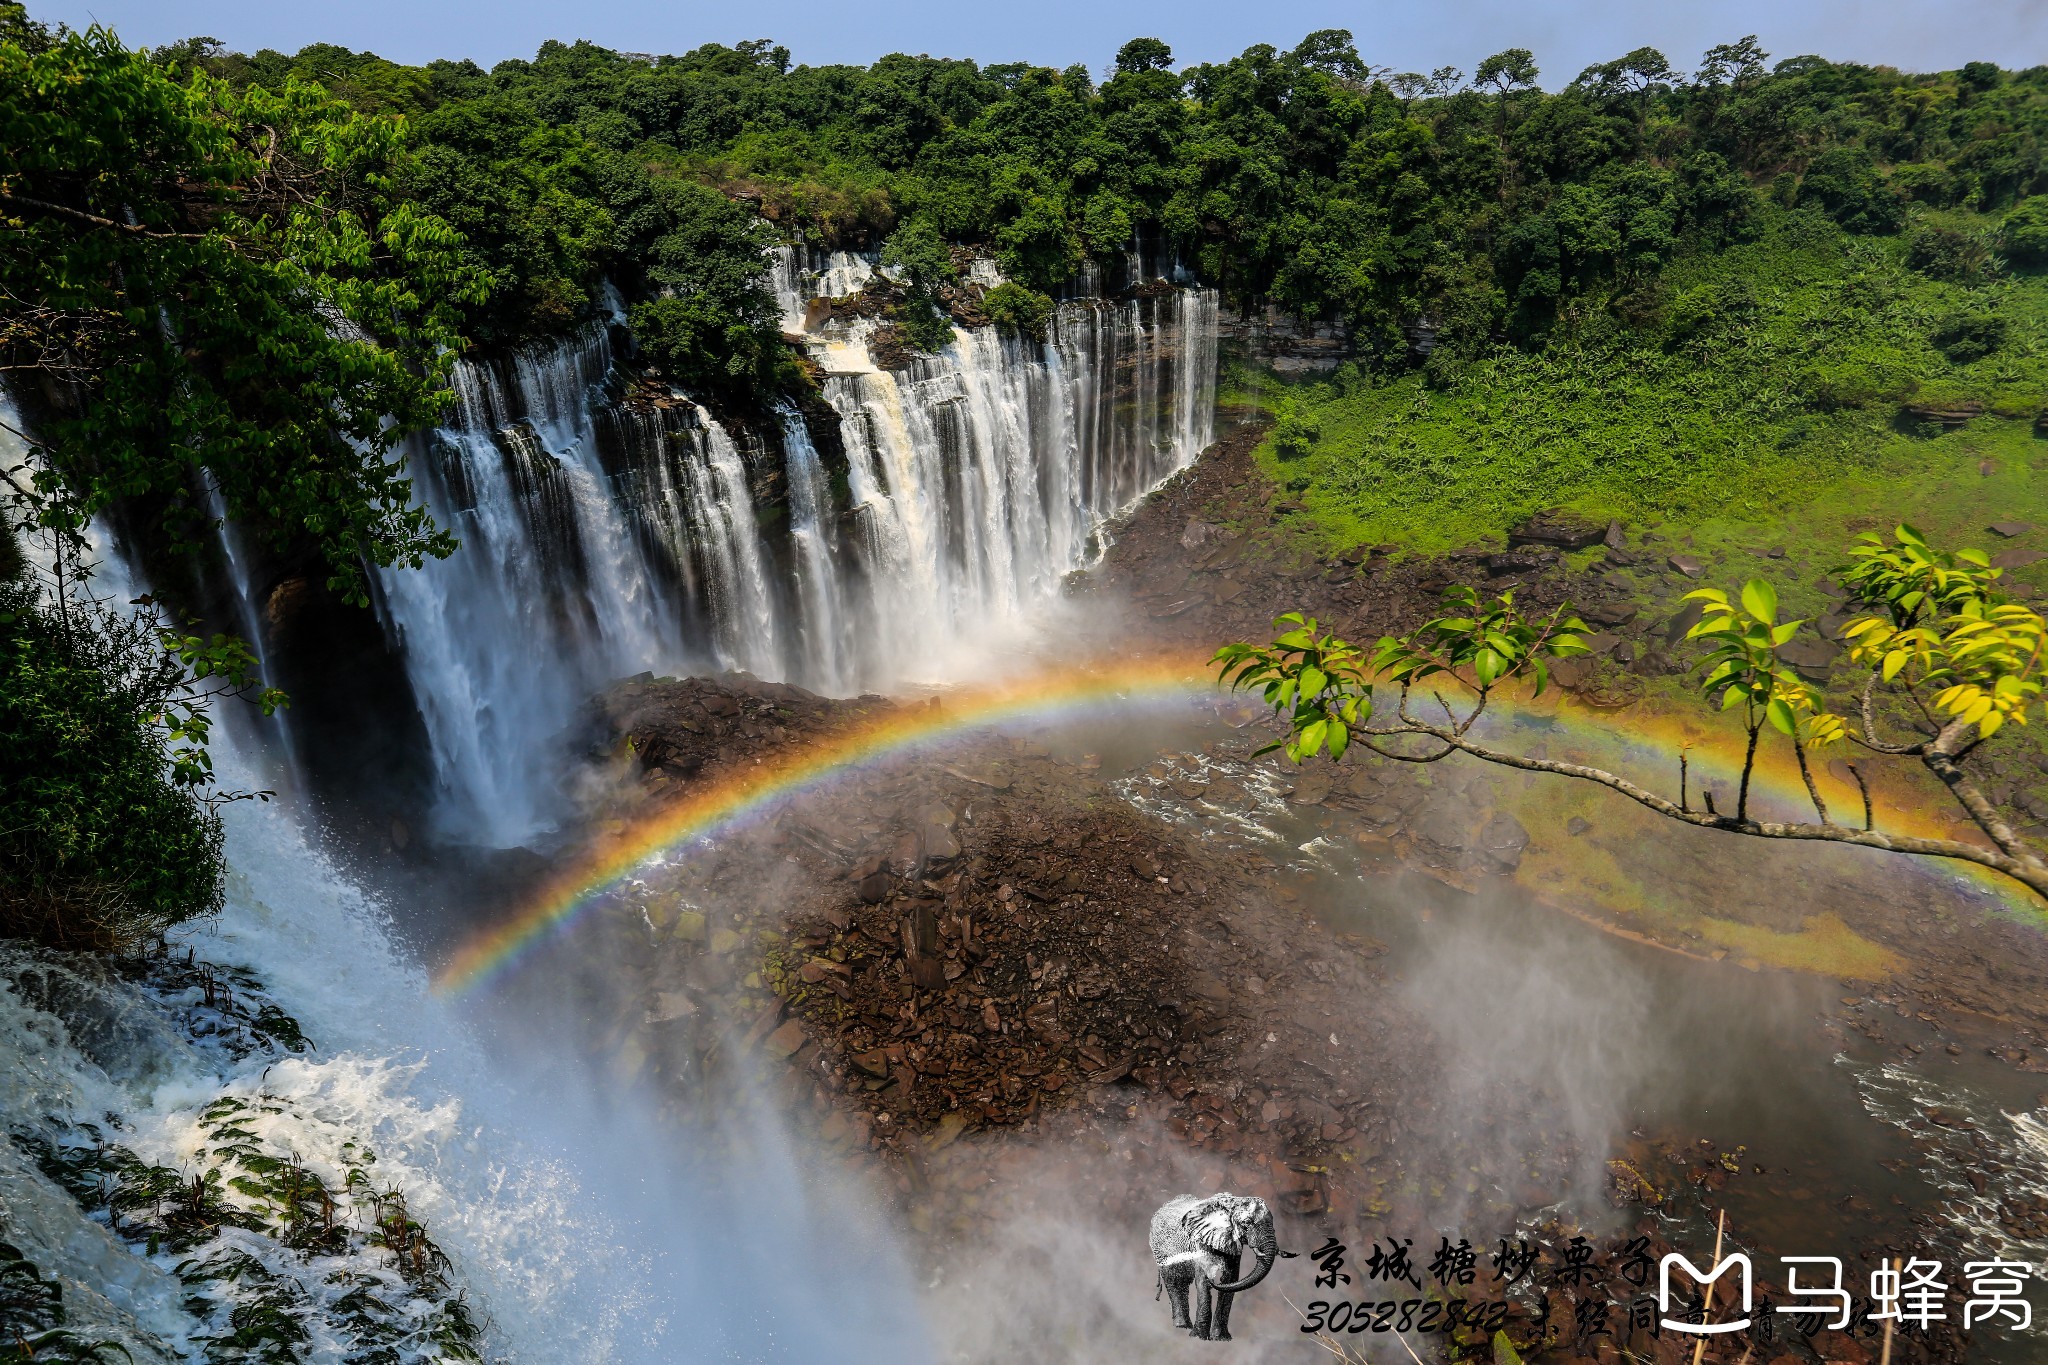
[[606, 533]]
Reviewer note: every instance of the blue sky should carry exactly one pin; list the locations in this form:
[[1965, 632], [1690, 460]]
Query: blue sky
[[1566, 35]]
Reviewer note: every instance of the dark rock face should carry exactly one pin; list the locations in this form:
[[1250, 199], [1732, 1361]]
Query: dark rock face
[[1610, 614], [1560, 529], [1810, 657], [1521, 560], [1500, 843]]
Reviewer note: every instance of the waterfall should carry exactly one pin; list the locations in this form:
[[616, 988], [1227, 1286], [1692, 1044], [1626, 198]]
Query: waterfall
[[978, 478], [723, 514], [823, 624], [577, 1229], [551, 594], [799, 274], [606, 532]]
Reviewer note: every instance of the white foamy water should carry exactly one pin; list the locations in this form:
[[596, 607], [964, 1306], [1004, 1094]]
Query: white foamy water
[[579, 1229], [603, 537]]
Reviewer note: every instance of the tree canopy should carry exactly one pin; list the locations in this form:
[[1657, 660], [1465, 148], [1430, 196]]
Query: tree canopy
[[1305, 177]]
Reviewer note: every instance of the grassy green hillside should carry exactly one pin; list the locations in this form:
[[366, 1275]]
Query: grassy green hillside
[[1744, 386]]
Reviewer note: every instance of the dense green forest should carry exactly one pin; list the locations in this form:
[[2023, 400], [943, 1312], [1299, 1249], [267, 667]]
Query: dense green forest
[[1303, 177]]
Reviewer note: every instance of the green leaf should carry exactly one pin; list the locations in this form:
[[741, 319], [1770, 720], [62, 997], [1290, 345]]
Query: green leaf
[[1780, 716], [1760, 600]]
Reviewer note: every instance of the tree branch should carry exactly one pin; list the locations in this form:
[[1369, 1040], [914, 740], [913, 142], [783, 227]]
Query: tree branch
[[2013, 861], [1806, 774], [1941, 759], [93, 219], [1748, 765]]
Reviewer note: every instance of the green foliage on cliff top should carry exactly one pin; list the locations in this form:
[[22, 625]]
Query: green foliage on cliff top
[[1746, 378], [209, 286], [1298, 176]]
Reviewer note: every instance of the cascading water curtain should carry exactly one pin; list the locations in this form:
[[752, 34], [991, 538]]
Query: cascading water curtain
[[602, 538]]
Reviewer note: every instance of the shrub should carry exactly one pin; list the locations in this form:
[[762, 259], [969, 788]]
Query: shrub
[[2024, 234], [1845, 183], [99, 848], [1964, 336], [1013, 307], [1707, 309], [1296, 433], [921, 255], [1945, 253]]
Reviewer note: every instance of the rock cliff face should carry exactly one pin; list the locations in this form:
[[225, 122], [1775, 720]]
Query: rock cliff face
[[1284, 343]]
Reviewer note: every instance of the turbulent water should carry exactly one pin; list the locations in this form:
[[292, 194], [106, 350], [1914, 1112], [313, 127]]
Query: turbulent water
[[574, 1228], [604, 534]]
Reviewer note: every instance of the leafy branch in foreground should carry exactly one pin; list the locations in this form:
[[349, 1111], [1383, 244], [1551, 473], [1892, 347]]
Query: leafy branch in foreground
[[219, 301], [1939, 641]]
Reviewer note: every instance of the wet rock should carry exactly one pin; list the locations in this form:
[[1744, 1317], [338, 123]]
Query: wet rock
[[1810, 656], [786, 1040], [875, 887], [2009, 529], [1441, 837], [1198, 534], [1501, 842], [980, 777], [1687, 617], [935, 840], [1312, 790], [1519, 561], [1383, 815], [1577, 825], [1609, 614], [2017, 559], [1692, 566], [1558, 528]]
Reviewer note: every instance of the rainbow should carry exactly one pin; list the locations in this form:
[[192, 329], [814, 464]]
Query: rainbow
[[740, 798], [1647, 736]]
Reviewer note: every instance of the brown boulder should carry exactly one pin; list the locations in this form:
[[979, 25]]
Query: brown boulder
[[1559, 528]]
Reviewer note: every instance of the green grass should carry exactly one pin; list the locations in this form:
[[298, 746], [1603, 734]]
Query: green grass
[[1787, 394]]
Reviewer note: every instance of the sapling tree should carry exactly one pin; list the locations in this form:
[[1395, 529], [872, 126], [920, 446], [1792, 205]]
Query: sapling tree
[[1938, 642]]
